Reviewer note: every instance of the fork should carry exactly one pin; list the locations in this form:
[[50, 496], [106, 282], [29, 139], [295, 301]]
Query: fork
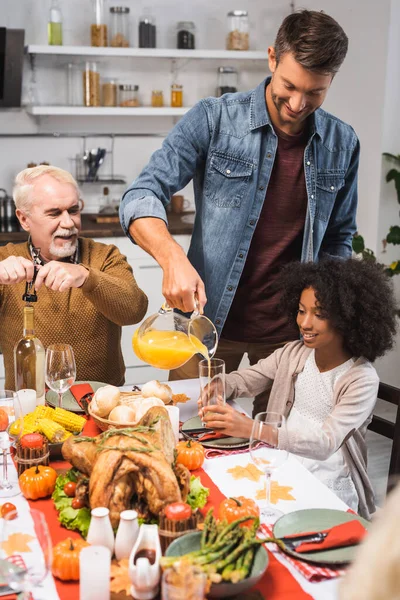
[[293, 542]]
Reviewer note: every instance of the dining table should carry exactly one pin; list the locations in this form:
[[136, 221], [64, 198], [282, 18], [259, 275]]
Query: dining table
[[226, 473]]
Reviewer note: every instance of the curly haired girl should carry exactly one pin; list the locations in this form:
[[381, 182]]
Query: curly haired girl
[[324, 383]]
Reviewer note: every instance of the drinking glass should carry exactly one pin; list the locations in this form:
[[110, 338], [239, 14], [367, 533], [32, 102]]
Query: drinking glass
[[186, 582], [38, 561], [267, 457], [60, 369], [212, 381], [11, 406]]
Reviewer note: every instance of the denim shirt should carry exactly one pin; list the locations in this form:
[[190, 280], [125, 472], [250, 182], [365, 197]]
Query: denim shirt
[[227, 145]]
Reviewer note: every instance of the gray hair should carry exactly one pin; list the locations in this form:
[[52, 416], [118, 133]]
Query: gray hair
[[25, 180]]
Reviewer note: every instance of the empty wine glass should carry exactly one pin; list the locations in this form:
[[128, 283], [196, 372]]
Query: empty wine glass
[[60, 369], [38, 562], [266, 456], [10, 411]]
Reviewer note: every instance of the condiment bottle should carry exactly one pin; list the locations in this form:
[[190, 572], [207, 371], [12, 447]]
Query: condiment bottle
[[100, 530], [128, 531], [54, 26], [185, 35], [176, 95]]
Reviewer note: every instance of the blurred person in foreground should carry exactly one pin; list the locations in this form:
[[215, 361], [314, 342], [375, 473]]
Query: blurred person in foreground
[[86, 290]]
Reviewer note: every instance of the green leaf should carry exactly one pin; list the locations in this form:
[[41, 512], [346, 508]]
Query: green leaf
[[391, 156], [198, 494], [367, 254], [393, 237], [358, 243]]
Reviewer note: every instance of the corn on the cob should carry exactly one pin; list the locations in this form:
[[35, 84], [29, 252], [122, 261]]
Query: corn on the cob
[[69, 420], [16, 427], [29, 427], [54, 432], [42, 412]]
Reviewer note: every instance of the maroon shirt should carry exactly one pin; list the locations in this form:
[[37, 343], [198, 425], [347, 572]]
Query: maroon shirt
[[277, 240]]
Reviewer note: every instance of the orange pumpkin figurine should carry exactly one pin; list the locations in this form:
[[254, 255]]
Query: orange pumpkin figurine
[[190, 454], [232, 509], [66, 559], [38, 482]]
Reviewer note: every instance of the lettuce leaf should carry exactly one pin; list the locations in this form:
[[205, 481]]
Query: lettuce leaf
[[71, 518], [198, 494]]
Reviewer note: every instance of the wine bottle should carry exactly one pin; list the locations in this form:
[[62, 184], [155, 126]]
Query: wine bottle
[[29, 358]]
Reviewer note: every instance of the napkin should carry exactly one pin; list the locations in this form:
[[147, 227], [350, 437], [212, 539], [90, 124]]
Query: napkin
[[79, 390], [345, 534]]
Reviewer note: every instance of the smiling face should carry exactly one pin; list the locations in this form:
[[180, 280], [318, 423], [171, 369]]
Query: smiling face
[[53, 218], [314, 325], [294, 92]]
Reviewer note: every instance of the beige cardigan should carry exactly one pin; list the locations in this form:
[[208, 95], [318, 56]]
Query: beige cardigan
[[355, 396]]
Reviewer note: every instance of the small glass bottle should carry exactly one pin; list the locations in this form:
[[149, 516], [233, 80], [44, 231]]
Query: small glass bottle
[[238, 30], [91, 85], [128, 95], [54, 26], [227, 80], [29, 358], [119, 26], [157, 98], [147, 32], [176, 95], [185, 35], [109, 92], [98, 28]]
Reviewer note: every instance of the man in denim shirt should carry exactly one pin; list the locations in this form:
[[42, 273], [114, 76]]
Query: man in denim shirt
[[275, 180]]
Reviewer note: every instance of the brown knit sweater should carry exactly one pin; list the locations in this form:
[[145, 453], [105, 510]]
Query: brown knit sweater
[[89, 318]]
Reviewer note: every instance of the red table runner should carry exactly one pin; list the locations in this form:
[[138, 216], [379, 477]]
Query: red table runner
[[277, 584]]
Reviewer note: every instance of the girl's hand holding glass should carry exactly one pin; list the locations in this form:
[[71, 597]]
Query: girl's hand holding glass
[[225, 419]]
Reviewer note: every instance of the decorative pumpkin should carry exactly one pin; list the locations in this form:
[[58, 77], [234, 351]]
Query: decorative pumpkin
[[232, 509], [66, 559], [38, 482], [190, 454]]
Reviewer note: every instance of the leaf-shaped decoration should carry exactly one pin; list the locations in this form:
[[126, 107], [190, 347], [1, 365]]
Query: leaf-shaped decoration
[[250, 471], [17, 542], [278, 492], [120, 581]]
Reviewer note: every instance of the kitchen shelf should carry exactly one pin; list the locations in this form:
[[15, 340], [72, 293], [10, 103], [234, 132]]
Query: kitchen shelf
[[98, 111], [171, 53]]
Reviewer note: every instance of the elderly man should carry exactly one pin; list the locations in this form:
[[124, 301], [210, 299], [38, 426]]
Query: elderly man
[[86, 290]]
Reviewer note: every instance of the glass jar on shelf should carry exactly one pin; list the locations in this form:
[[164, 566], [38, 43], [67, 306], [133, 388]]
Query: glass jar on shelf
[[238, 30], [98, 28], [227, 80], [157, 98], [119, 26], [109, 92], [185, 35], [54, 27], [129, 95], [74, 85], [91, 85], [176, 95], [147, 32]]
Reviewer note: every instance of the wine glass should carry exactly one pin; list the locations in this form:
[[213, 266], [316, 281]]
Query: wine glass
[[267, 456], [60, 369], [10, 412], [38, 562]]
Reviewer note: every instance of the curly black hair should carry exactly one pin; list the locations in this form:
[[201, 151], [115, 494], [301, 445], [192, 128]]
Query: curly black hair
[[357, 297]]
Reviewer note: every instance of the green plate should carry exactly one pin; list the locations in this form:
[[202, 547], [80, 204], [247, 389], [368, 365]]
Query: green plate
[[224, 443], [68, 401], [191, 542], [318, 519]]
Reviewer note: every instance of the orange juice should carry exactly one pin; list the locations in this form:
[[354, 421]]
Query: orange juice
[[167, 349]]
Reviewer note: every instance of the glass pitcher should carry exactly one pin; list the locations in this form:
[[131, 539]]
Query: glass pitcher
[[167, 339]]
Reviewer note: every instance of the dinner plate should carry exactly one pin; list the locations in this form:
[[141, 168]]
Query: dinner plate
[[317, 519], [224, 443], [68, 400]]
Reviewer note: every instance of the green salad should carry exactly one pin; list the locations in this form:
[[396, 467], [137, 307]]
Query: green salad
[[71, 518]]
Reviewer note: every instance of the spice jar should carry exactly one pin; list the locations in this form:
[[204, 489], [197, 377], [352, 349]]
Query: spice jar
[[186, 35], [109, 92], [91, 85], [227, 80], [157, 98], [128, 95], [98, 28], [176, 95], [147, 32], [238, 30], [119, 26]]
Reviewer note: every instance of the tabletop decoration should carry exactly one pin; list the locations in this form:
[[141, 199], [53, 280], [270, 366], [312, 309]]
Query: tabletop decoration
[[66, 559], [120, 580], [17, 542], [94, 573], [278, 492], [250, 471]]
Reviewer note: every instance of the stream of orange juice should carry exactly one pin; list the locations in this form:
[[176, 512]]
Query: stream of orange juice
[[167, 349]]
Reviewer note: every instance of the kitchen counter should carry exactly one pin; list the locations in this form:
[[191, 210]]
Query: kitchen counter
[[177, 225]]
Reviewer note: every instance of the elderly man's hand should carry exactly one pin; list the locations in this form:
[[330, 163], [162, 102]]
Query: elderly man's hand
[[15, 269], [60, 276]]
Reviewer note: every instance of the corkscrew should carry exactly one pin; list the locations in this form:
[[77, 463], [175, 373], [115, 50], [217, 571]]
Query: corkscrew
[[30, 292]]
